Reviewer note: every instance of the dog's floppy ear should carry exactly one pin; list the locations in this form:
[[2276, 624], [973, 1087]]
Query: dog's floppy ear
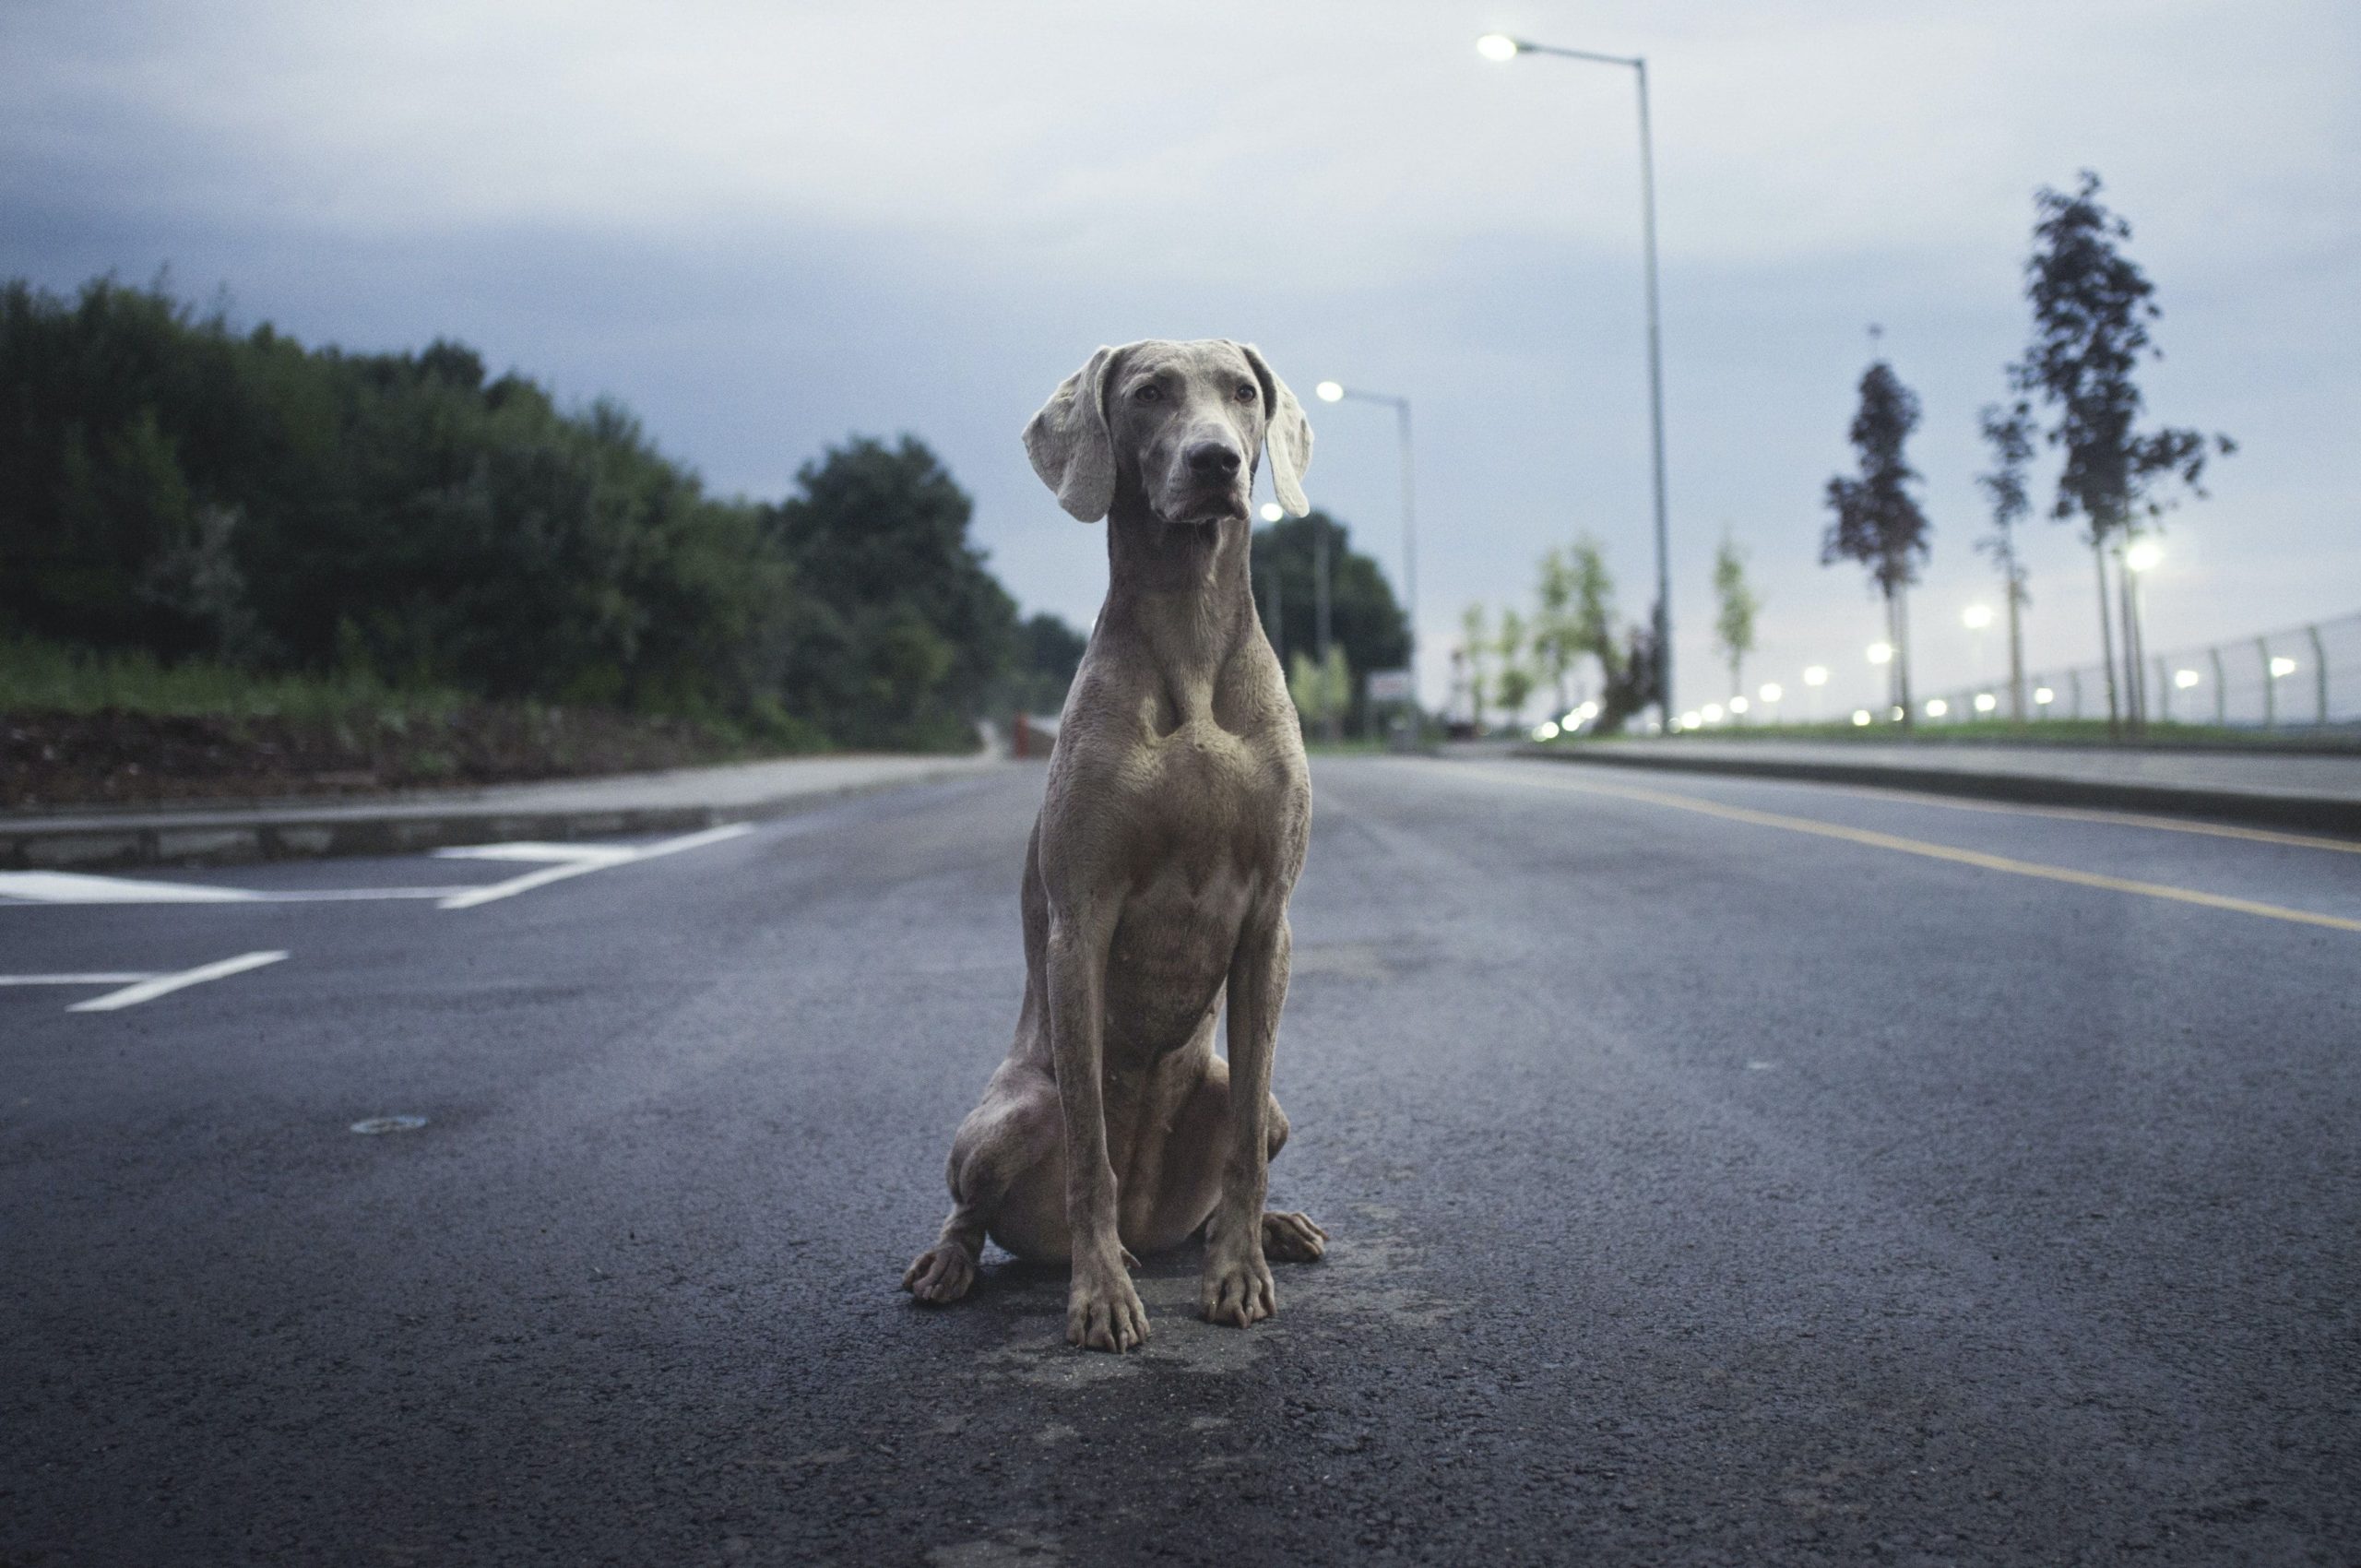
[[1070, 444], [1286, 433]]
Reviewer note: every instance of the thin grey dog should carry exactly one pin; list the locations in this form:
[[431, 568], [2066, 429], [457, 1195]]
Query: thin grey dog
[[1157, 878]]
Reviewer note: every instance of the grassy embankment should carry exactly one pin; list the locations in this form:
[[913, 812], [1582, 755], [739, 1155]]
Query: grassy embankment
[[81, 727]]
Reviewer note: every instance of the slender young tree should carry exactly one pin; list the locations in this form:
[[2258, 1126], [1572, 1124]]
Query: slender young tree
[[1475, 647], [1590, 617], [1554, 648], [2091, 309], [1879, 522], [2010, 435], [1515, 683], [1735, 604]]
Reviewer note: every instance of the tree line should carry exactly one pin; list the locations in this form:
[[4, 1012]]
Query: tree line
[[182, 488], [2074, 389]]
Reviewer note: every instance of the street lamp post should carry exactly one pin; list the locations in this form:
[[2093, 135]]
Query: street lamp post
[[1500, 47], [1337, 392]]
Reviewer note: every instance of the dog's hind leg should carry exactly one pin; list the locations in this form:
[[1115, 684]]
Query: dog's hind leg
[[1011, 1132]]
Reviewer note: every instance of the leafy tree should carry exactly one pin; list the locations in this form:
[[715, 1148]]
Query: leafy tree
[[1364, 618], [907, 628], [1476, 653], [2092, 306], [1322, 690], [1735, 606], [1048, 653], [1634, 681], [2010, 435], [1877, 521], [1515, 683]]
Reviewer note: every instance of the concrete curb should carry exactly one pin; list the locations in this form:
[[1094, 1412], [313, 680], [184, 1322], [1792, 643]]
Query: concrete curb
[[2328, 813], [235, 835]]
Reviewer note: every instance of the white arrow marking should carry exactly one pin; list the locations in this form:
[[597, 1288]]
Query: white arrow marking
[[163, 985]]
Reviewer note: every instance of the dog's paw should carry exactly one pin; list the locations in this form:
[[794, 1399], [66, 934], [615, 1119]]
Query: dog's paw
[[1103, 1312], [1236, 1288], [1292, 1238], [940, 1275]]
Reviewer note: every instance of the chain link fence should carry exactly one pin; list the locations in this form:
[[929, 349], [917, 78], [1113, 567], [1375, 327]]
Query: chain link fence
[[2303, 677]]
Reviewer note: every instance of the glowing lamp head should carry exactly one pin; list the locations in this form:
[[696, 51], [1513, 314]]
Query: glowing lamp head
[[1860, 716], [2144, 555], [1816, 676], [1880, 653], [1976, 617], [1772, 691], [1273, 511], [1498, 47], [1330, 391]]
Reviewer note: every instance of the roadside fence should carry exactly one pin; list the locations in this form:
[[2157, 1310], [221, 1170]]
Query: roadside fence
[[2303, 677]]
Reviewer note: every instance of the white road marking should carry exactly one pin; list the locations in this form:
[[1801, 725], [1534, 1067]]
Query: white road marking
[[553, 862], [165, 985], [580, 861], [73, 887], [547, 854]]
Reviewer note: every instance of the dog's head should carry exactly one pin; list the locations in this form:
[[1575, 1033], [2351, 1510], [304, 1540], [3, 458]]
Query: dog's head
[[1183, 423]]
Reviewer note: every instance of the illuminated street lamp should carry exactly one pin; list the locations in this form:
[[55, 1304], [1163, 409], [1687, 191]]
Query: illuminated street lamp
[[1337, 392], [1976, 617], [1880, 653], [1499, 48]]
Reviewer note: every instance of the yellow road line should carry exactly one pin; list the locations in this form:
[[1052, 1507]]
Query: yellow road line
[[1932, 851], [2079, 814]]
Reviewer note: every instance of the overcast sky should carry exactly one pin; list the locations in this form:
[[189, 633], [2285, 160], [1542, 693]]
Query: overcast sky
[[766, 226]]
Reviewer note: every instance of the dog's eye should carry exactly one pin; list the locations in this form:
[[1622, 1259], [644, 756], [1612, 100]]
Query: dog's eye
[[1249, 393], [1151, 393]]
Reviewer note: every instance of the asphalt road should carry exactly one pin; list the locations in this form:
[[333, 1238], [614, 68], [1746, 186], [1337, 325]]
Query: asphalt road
[[1719, 1172]]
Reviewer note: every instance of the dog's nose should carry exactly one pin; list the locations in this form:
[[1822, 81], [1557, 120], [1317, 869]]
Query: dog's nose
[[1210, 458]]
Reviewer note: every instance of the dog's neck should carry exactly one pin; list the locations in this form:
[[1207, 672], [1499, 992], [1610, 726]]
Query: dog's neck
[[1186, 592]]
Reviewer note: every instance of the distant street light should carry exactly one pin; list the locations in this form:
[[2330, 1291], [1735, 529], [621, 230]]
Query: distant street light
[[2282, 665], [1502, 48], [1986, 702], [1880, 653], [1976, 617], [1337, 392], [1937, 708], [1772, 691], [2144, 555], [1816, 675], [1860, 716], [1273, 511], [2185, 679]]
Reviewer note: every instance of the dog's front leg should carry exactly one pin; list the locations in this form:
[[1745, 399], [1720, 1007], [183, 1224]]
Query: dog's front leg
[[1103, 1312], [1237, 1283]]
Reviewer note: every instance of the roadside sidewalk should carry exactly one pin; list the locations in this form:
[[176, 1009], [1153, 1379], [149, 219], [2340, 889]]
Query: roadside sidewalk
[[229, 832], [2275, 789]]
